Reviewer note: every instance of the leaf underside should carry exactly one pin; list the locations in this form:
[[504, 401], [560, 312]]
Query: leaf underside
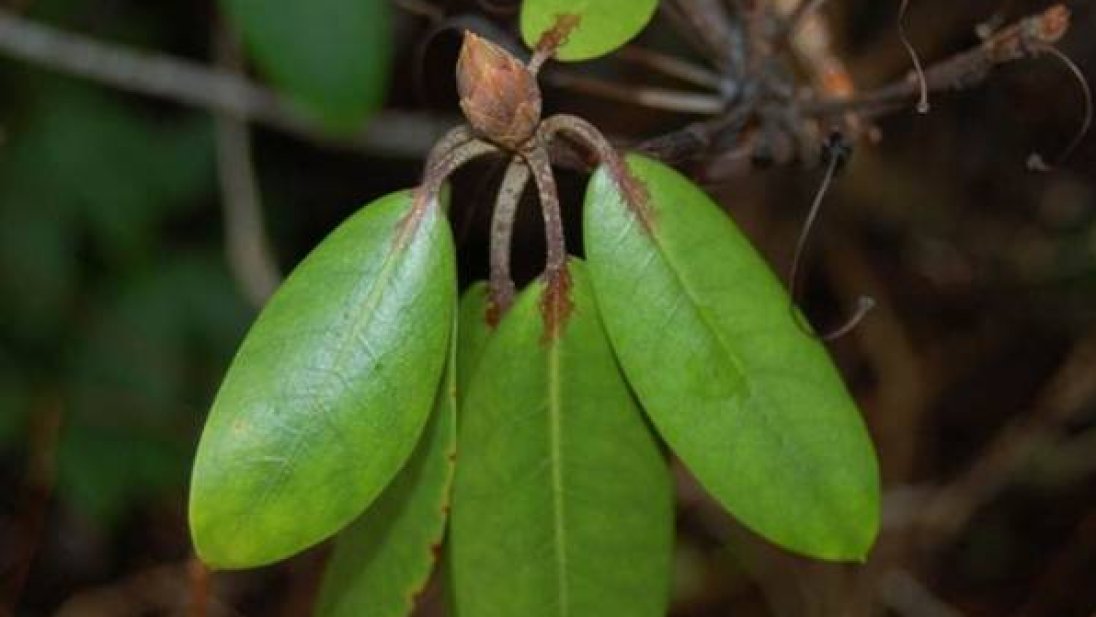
[[752, 405], [330, 390], [603, 25], [562, 504]]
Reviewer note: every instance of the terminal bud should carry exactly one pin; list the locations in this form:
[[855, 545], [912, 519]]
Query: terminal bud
[[498, 94]]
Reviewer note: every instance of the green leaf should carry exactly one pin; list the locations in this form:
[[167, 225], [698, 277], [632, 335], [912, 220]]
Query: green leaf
[[562, 501], [473, 331], [752, 405], [603, 25], [383, 560], [330, 389], [332, 56]]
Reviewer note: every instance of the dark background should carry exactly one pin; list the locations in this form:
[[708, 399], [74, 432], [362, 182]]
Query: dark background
[[977, 371]]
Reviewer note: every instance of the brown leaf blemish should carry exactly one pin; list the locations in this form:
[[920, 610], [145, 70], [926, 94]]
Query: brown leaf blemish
[[494, 312], [557, 35], [409, 223], [555, 303], [634, 191]]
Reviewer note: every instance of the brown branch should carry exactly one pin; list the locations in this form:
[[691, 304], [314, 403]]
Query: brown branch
[[195, 85], [1019, 41], [790, 25], [694, 140], [671, 66], [710, 23], [247, 245], [457, 148], [654, 98], [502, 235], [540, 164]]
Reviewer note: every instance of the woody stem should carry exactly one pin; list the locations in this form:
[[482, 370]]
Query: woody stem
[[587, 136], [536, 157], [450, 153], [502, 233], [455, 137]]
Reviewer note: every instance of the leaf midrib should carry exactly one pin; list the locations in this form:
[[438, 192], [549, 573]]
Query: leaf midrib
[[555, 440], [789, 453], [365, 316]]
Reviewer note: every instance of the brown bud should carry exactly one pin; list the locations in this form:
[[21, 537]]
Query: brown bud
[[498, 94]]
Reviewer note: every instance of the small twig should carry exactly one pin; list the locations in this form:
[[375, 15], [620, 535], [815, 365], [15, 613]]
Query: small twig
[[654, 98], [538, 161], [192, 84], [1036, 161], [584, 133], [247, 245], [838, 154], [453, 139], [963, 70], [791, 25], [684, 26], [502, 234], [711, 26], [671, 66], [551, 40], [452, 151], [694, 139], [590, 139], [919, 73]]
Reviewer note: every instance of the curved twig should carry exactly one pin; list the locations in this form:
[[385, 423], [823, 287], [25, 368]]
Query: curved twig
[[1036, 161], [923, 106], [537, 159], [587, 136], [501, 283], [450, 153], [864, 304]]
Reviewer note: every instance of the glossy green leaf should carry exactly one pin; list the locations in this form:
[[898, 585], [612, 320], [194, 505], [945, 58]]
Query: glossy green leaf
[[473, 332], [383, 560], [561, 504], [752, 405], [603, 25], [330, 390], [331, 56]]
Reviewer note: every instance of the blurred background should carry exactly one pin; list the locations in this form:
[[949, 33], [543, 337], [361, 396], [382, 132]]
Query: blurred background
[[155, 180]]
